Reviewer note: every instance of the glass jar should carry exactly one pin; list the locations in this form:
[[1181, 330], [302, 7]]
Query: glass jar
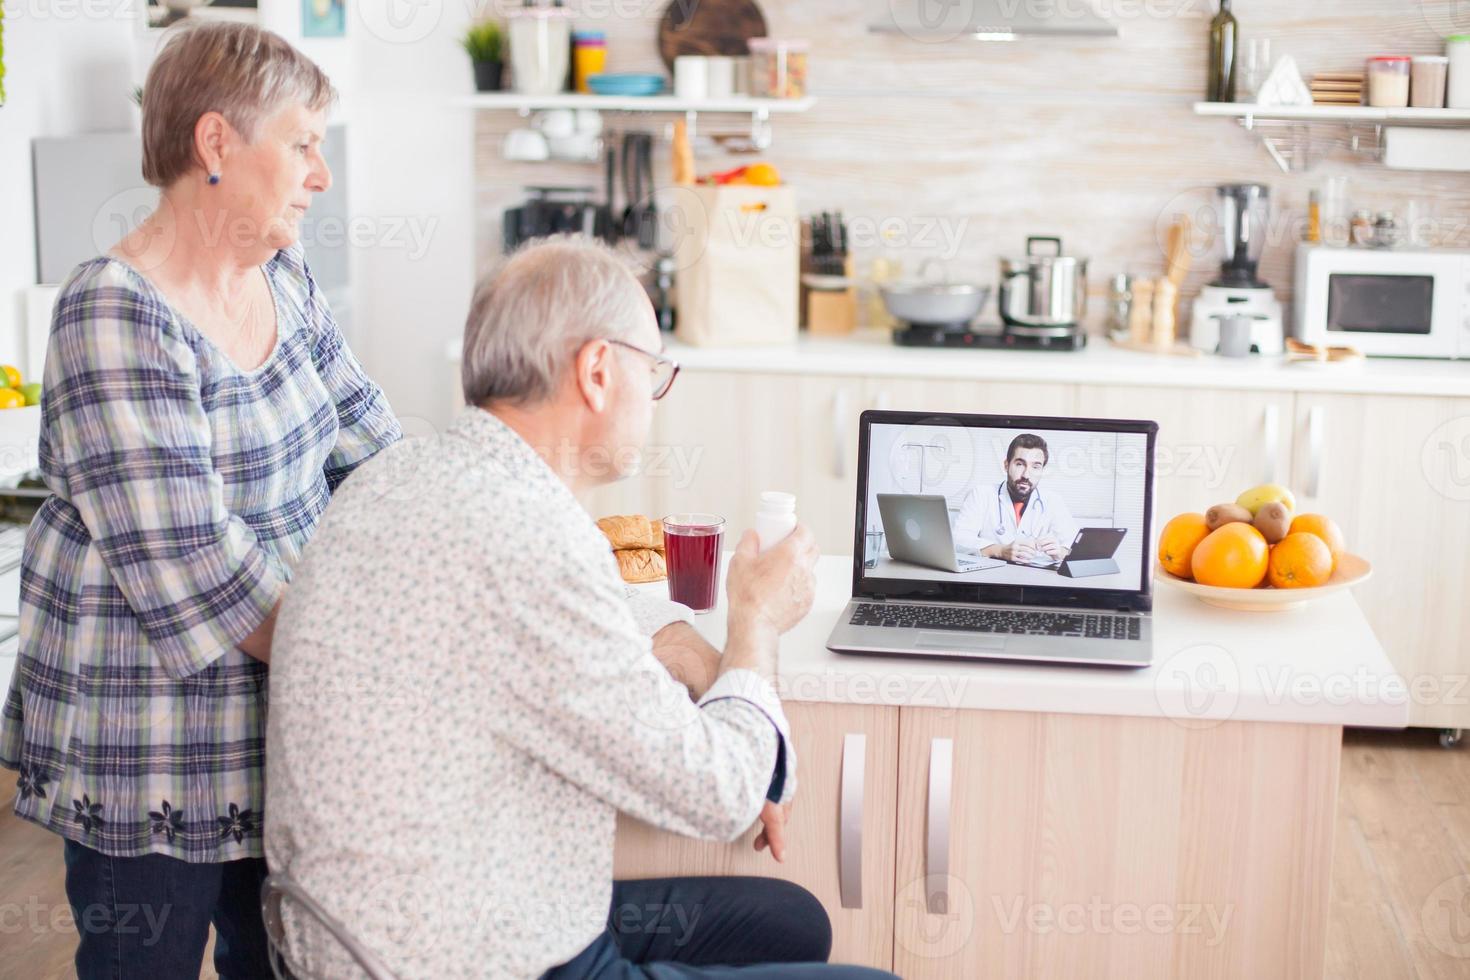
[[1388, 81], [1426, 81], [778, 68]]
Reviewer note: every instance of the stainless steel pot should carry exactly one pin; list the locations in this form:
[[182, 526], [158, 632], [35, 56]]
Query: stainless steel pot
[[1043, 295]]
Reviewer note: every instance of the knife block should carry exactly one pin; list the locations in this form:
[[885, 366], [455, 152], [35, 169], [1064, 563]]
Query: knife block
[[831, 312]]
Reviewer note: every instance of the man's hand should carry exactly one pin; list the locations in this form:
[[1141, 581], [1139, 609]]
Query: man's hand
[[1052, 547], [775, 589], [1019, 550], [773, 829], [687, 657]]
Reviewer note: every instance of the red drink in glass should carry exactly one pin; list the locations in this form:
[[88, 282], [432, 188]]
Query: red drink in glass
[[692, 553]]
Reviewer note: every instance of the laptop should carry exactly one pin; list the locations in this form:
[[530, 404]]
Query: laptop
[[916, 527], [1093, 474]]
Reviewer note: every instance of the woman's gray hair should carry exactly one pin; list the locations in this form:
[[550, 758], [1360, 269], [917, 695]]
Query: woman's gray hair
[[531, 315], [238, 70]]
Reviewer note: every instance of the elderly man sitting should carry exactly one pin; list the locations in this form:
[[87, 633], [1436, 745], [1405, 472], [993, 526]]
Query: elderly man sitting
[[463, 698]]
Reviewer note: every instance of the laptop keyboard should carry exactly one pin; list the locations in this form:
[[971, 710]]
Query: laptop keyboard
[[1102, 626]]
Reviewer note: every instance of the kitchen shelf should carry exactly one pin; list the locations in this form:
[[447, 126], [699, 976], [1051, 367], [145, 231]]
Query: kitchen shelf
[[1249, 111], [1294, 135], [526, 104]]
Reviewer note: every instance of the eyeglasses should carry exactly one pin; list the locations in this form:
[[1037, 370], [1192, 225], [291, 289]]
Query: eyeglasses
[[665, 369]]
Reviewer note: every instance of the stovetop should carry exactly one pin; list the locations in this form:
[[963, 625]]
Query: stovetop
[[987, 338]]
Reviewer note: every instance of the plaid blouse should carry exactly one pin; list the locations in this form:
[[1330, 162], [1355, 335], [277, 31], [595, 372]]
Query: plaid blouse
[[183, 491]]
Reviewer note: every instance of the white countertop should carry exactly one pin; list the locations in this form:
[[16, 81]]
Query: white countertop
[[1320, 664], [872, 354]]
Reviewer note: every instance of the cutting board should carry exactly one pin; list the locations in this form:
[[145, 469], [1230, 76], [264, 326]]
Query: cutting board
[[708, 27]]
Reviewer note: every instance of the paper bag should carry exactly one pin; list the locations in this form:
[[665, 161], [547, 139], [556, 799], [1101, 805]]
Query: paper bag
[[738, 256]]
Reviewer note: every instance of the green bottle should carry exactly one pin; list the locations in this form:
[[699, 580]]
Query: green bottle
[[1223, 36]]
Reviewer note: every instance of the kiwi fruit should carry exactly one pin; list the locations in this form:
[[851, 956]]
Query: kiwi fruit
[[1222, 514], [1273, 520]]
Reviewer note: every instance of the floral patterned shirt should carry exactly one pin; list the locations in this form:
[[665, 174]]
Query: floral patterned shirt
[[461, 702], [183, 490]]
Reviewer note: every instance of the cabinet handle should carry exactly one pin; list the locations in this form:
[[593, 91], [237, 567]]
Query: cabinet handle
[[1315, 424], [1270, 432], [839, 434], [850, 821], [936, 845]]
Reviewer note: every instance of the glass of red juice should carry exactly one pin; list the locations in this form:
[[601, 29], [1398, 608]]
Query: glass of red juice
[[692, 553]]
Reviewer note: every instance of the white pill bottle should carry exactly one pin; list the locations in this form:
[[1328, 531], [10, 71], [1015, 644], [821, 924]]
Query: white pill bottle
[[776, 517]]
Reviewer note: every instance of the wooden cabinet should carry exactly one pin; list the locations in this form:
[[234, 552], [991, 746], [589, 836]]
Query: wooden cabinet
[[845, 752], [1394, 472], [1045, 845], [1212, 443]]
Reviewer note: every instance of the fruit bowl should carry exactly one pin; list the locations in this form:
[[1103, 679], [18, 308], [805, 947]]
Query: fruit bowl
[[1350, 570]]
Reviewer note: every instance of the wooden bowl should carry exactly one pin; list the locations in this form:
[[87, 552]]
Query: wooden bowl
[[1350, 570]]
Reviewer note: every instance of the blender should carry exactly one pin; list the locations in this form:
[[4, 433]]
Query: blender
[[1244, 212]]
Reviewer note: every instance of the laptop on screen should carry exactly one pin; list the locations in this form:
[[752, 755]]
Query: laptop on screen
[[1048, 520]]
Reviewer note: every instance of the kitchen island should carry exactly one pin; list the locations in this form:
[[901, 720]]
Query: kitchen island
[[1382, 447], [973, 819]]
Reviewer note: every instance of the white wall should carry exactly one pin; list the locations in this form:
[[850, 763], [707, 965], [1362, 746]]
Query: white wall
[[65, 73], [413, 188]]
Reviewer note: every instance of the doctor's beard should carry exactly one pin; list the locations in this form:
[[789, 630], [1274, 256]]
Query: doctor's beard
[[1020, 489]]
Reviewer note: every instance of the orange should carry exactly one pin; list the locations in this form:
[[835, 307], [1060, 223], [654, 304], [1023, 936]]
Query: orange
[[10, 398], [1178, 540], [12, 375], [1233, 556], [1323, 527], [762, 175], [1300, 561]]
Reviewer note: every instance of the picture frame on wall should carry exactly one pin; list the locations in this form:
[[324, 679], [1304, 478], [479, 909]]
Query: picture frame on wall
[[323, 18]]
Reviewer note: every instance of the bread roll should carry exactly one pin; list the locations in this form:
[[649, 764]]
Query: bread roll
[[641, 565], [632, 531]]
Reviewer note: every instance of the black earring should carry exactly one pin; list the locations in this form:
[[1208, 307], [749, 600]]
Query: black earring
[[214, 178]]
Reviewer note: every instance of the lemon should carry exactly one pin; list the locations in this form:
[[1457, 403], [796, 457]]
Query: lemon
[[12, 375], [10, 398]]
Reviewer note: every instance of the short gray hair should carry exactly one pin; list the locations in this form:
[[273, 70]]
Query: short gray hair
[[238, 70], [531, 315]]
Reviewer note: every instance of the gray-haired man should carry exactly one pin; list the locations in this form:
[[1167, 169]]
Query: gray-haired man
[[462, 699]]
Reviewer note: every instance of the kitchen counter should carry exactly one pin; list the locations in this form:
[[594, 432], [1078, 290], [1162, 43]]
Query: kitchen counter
[[1320, 664], [870, 353], [1207, 782]]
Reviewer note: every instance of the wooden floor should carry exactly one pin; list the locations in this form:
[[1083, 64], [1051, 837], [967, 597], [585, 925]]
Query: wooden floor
[[1400, 890]]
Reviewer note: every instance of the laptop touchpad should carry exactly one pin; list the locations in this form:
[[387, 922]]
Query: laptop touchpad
[[958, 641]]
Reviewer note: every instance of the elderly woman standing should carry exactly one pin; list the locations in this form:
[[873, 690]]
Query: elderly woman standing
[[200, 409]]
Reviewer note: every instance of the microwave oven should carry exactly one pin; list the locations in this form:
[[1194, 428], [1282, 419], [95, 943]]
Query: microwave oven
[[1385, 302]]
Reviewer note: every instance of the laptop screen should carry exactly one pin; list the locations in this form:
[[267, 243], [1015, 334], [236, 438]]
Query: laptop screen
[[992, 508]]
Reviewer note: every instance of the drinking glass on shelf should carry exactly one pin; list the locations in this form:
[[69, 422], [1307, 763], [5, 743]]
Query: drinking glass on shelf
[[1257, 65]]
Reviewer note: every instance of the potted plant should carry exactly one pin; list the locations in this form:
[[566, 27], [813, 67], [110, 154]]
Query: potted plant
[[484, 43]]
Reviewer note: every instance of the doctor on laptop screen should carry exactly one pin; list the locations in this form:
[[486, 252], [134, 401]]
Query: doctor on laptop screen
[[1017, 519], [1007, 506]]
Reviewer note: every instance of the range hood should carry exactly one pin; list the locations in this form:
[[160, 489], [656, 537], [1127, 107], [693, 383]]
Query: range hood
[[992, 20]]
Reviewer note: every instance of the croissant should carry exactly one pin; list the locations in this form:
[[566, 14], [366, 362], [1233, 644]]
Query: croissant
[[632, 531], [641, 565]]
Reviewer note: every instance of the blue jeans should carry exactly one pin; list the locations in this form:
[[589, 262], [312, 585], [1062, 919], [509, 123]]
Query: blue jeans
[[722, 927], [148, 917]]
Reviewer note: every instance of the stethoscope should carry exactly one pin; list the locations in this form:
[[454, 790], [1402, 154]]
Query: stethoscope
[[1002, 498]]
